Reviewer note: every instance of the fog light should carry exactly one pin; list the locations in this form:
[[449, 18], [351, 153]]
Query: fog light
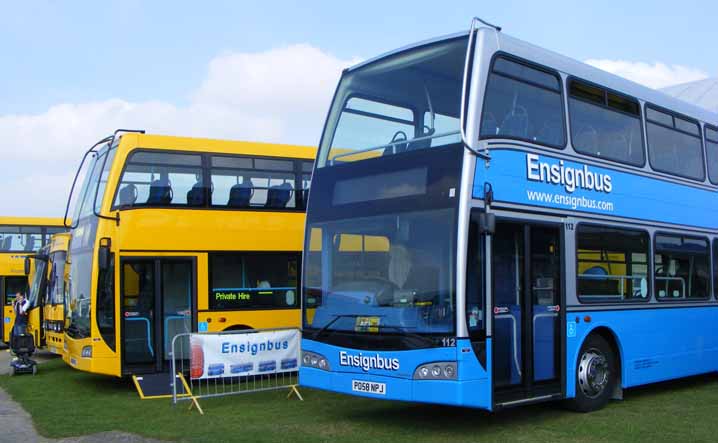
[[87, 352], [449, 371], [440, 370], [436, 371]]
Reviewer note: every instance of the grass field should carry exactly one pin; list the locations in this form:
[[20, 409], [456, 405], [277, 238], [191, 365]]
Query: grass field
[[64, 402]]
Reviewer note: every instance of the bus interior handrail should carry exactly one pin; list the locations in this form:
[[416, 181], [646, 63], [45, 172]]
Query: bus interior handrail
[[393, 144]]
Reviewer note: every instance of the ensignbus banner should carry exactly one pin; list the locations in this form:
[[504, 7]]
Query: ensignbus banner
[[237, 355]]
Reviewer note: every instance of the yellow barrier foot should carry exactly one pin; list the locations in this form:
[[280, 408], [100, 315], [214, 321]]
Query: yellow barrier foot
[[293, 390], [195, 402]]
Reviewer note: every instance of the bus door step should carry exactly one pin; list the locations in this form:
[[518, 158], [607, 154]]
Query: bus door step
[[157, 385]]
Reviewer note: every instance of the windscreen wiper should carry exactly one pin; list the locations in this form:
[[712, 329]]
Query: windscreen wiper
[[404, 332], [336, 317]]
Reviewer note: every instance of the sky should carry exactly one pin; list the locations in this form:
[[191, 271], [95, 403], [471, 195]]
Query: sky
[[73, 72]]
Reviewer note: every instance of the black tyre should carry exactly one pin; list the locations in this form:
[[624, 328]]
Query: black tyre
[[596, 375]]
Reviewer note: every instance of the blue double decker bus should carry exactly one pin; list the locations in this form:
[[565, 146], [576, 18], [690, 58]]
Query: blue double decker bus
[[492, 224]]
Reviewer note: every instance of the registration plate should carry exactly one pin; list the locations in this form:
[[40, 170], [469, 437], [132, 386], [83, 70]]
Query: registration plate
[[369, 387]]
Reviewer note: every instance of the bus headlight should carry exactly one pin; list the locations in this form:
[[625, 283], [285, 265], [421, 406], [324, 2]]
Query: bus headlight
[[87, 352], [313, 360], [440, 370]]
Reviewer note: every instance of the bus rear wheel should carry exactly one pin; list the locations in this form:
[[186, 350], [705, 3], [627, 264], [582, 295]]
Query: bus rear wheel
[[595, 375]]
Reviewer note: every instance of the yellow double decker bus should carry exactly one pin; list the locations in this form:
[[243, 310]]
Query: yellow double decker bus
[[19, 238], [174, 234]]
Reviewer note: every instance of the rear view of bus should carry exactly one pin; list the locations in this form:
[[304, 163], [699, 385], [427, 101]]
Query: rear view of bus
[[20, 237], [176, 235]]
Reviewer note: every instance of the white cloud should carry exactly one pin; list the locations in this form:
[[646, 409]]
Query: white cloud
[[280, 95], [654, 75]]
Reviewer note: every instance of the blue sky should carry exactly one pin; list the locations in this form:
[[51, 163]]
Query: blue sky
[[67, 66]]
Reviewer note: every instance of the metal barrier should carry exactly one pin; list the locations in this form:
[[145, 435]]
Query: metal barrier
[[251, 372]]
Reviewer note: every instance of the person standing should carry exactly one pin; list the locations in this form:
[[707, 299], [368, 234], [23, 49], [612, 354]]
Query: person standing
[[21, 306]]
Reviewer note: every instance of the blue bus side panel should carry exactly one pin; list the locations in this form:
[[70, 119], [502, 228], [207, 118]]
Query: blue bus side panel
[[473, 387], [655, 344], [631, 195]]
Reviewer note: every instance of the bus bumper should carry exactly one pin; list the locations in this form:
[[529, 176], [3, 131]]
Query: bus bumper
[[73, 356], [471, 389]]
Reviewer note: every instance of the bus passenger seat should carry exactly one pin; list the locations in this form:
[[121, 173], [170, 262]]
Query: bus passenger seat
[[278, 196], [29, 242], [240, 195], [196, 195], [160, 193], [128, 195]]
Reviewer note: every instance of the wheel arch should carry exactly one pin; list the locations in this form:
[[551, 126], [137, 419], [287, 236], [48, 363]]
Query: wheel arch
[[237, 328], [611, 337]]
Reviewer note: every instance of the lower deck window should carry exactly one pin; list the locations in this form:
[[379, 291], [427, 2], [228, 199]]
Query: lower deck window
[[612, 264], [13, 286], [254, 280], [682, 267]]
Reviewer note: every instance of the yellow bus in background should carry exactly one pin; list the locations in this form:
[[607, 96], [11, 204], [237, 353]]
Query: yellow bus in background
[[58, 273], [36, 268], [19, 238], [173, 235]]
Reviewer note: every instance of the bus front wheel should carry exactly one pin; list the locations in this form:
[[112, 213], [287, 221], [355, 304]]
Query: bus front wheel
[[596, 372]]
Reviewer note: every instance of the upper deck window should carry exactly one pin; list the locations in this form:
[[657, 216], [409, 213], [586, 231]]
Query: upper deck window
[[93, 188], [674, 144], [372, 123], [154, 178], [712, 153], [605, 124], [401, 103], [244, 182], [524, 103], [173, 179]]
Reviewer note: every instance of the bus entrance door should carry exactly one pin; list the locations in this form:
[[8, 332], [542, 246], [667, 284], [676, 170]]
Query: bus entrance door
[[527, 274], [9, 287], [157, 301]]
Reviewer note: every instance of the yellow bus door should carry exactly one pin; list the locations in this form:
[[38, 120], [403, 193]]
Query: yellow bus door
[[9, 287], [156, 304]]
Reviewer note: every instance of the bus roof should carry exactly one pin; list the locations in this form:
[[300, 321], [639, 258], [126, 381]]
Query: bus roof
[[219, 146], [505, 43], [31, 221]]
